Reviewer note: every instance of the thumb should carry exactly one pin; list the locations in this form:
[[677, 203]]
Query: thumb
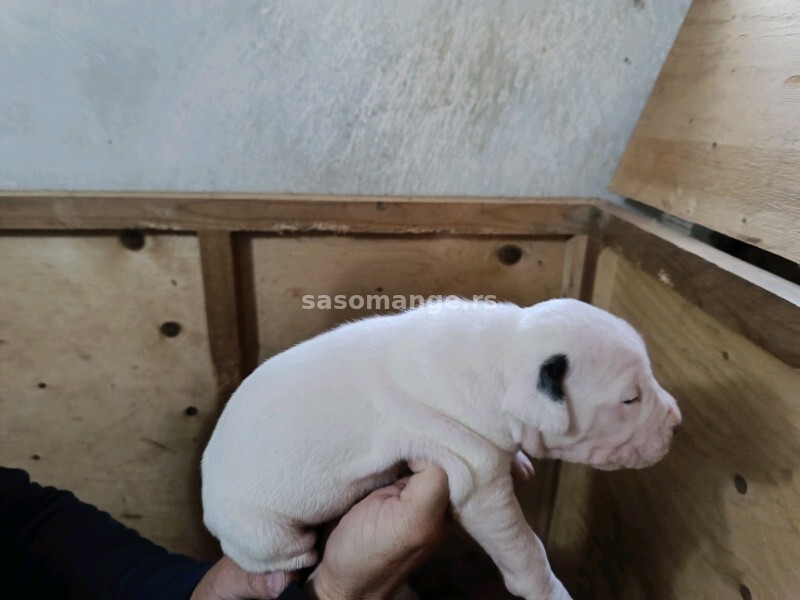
[[427, 488], [265, 586], [226, 580]]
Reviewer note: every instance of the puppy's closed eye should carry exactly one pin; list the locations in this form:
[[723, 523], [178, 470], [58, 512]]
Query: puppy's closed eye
[[631, 401]]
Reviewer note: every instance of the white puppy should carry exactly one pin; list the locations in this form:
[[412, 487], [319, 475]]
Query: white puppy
[[464, 385]]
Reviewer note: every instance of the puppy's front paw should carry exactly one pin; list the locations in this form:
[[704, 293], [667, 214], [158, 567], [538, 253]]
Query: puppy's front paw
[[521, 467], [293, 550], [301, 561]]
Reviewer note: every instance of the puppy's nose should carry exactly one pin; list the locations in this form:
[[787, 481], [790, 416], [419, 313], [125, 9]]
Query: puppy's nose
[[676, 428]]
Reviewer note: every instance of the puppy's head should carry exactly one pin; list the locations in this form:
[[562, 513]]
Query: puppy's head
[[590, 393]]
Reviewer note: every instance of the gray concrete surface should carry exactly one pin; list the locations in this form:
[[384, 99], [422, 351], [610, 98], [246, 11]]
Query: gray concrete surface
[[500, 97]]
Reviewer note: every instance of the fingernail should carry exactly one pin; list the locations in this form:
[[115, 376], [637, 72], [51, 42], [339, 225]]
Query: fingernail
[[416, 465], [276, 582]]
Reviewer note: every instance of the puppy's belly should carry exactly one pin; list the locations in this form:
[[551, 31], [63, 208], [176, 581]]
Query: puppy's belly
[[329, 500], [307, 485], [261, 537]]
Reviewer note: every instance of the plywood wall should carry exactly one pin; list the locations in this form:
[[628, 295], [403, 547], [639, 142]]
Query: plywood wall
[[286, 269], [96, 397], [100, 397], [719, 517], [718, 142]]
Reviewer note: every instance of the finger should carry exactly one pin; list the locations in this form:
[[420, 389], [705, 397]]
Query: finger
[[417, 465], [229, 580], [428, 487], [521, 467], [267, 586], [388, 491]]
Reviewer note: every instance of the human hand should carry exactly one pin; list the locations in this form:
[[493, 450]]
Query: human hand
[[375, 519], [226, 581], [383, 538]]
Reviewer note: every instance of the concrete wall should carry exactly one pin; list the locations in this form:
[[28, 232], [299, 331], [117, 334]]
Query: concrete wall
[[381, 97]]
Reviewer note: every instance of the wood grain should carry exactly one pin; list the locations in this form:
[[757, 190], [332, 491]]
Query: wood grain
[[747, 300], [94, 397], [222, 304], [81, 313], [580, 263], [717, 518], [289, 268], [288, 214], [718, 142]]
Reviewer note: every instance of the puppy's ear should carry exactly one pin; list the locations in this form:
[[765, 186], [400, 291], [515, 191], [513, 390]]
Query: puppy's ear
[[551, 377], [545, 406]]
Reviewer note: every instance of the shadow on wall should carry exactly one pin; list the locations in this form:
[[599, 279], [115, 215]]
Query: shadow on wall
[[655, 533]]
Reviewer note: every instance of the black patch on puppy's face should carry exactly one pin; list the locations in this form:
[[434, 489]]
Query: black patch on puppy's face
[[551, 377]]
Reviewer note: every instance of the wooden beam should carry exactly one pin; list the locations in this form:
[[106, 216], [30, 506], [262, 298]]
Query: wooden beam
[[751, 302], [287, 213], [249, 334], [218, 263], [579, 267]]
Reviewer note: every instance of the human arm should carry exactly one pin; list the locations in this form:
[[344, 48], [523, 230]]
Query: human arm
[[54, 545]]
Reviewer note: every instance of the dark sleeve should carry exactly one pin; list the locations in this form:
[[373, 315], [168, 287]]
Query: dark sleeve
[[54, 546]]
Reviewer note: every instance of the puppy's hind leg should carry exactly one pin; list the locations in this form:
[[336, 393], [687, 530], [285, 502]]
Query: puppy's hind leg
[[269, 542]]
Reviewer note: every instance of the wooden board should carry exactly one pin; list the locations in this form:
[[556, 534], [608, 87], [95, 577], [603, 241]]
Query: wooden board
[[288, 268], [281, 213], [728, 289], [94, 397], [719, 517], [223, 309], [718, 142]]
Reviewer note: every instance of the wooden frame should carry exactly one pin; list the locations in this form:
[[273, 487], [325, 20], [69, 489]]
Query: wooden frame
[[292, 214], [730, 291], [218, 218], [755, 305]]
